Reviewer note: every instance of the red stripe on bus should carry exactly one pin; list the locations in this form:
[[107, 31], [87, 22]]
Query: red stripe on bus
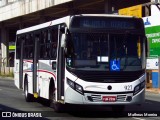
[[47, 72], [30, 61], [43, 71]]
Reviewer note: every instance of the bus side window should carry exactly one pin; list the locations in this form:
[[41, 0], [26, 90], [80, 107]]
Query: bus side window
[[25, 50], [25, 56], [47, 44], [43, 53], [54, 41], [18, 47], [31, 46], [28, 46]]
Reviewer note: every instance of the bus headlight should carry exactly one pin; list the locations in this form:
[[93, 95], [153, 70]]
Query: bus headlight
[[79, 88], [75, 86], [70, 83], [139, 87]]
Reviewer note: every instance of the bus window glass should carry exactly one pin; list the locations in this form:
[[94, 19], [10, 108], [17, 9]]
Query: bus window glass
[[89, 51], [18, 47], [97, 51], [28, 46], [26, 49], [124, 49], [54, 41], [47, 44], [43, 53]]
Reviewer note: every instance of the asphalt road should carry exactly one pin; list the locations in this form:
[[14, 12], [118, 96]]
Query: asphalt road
[[12, 103]]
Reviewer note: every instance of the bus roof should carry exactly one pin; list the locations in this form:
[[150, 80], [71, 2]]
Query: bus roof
[[106, 15], [64, 20], [44, 25]]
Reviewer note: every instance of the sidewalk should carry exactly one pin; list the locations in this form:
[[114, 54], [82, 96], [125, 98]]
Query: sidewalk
[[153, 90], [6, 78]]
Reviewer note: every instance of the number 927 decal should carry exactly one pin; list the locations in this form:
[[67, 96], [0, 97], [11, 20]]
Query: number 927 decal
[[128, 87]]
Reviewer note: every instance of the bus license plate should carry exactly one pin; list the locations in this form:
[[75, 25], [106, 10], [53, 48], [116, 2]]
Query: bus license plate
[[109, 98]]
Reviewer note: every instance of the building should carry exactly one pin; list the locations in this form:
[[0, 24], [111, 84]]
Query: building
[[18, 14]]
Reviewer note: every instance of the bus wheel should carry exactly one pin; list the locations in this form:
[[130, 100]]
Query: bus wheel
[[28, 96], [52, 98]]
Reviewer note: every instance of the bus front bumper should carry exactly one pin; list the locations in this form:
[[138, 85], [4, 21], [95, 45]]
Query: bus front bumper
[[73, 97]]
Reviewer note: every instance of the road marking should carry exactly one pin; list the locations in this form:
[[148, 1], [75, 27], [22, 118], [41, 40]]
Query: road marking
[[148, 102], [138, 118]]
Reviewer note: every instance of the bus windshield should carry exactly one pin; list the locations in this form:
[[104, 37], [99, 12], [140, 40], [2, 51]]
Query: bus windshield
[[106, 52]]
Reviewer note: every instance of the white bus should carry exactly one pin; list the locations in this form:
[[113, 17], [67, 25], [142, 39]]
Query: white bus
[[83, 59]]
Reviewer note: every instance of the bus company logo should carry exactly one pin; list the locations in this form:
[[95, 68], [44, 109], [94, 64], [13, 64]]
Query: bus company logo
[[6, 114], [109, 87], [22, 115]]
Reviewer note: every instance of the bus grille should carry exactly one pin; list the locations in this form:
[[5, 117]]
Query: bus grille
[[98, 98]]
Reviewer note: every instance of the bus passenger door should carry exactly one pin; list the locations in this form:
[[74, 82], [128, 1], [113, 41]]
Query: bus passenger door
[[60, 66], [35, 64], [19, 83]]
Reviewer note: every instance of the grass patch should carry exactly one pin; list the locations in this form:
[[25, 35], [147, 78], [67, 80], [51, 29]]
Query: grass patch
[[7, 75]]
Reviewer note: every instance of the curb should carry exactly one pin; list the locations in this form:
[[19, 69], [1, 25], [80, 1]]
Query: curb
[[6, 78], [155, 91]]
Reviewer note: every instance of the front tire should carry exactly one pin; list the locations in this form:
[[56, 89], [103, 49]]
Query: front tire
[[28, 96], [58, 107]]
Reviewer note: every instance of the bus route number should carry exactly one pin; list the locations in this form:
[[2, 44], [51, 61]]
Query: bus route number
[[128, 87]]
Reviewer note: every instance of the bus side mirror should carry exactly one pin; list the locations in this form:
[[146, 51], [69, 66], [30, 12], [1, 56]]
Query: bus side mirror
[[54, 65]]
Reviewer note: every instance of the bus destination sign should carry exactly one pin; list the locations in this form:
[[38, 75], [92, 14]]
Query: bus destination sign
[[102, 22]]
